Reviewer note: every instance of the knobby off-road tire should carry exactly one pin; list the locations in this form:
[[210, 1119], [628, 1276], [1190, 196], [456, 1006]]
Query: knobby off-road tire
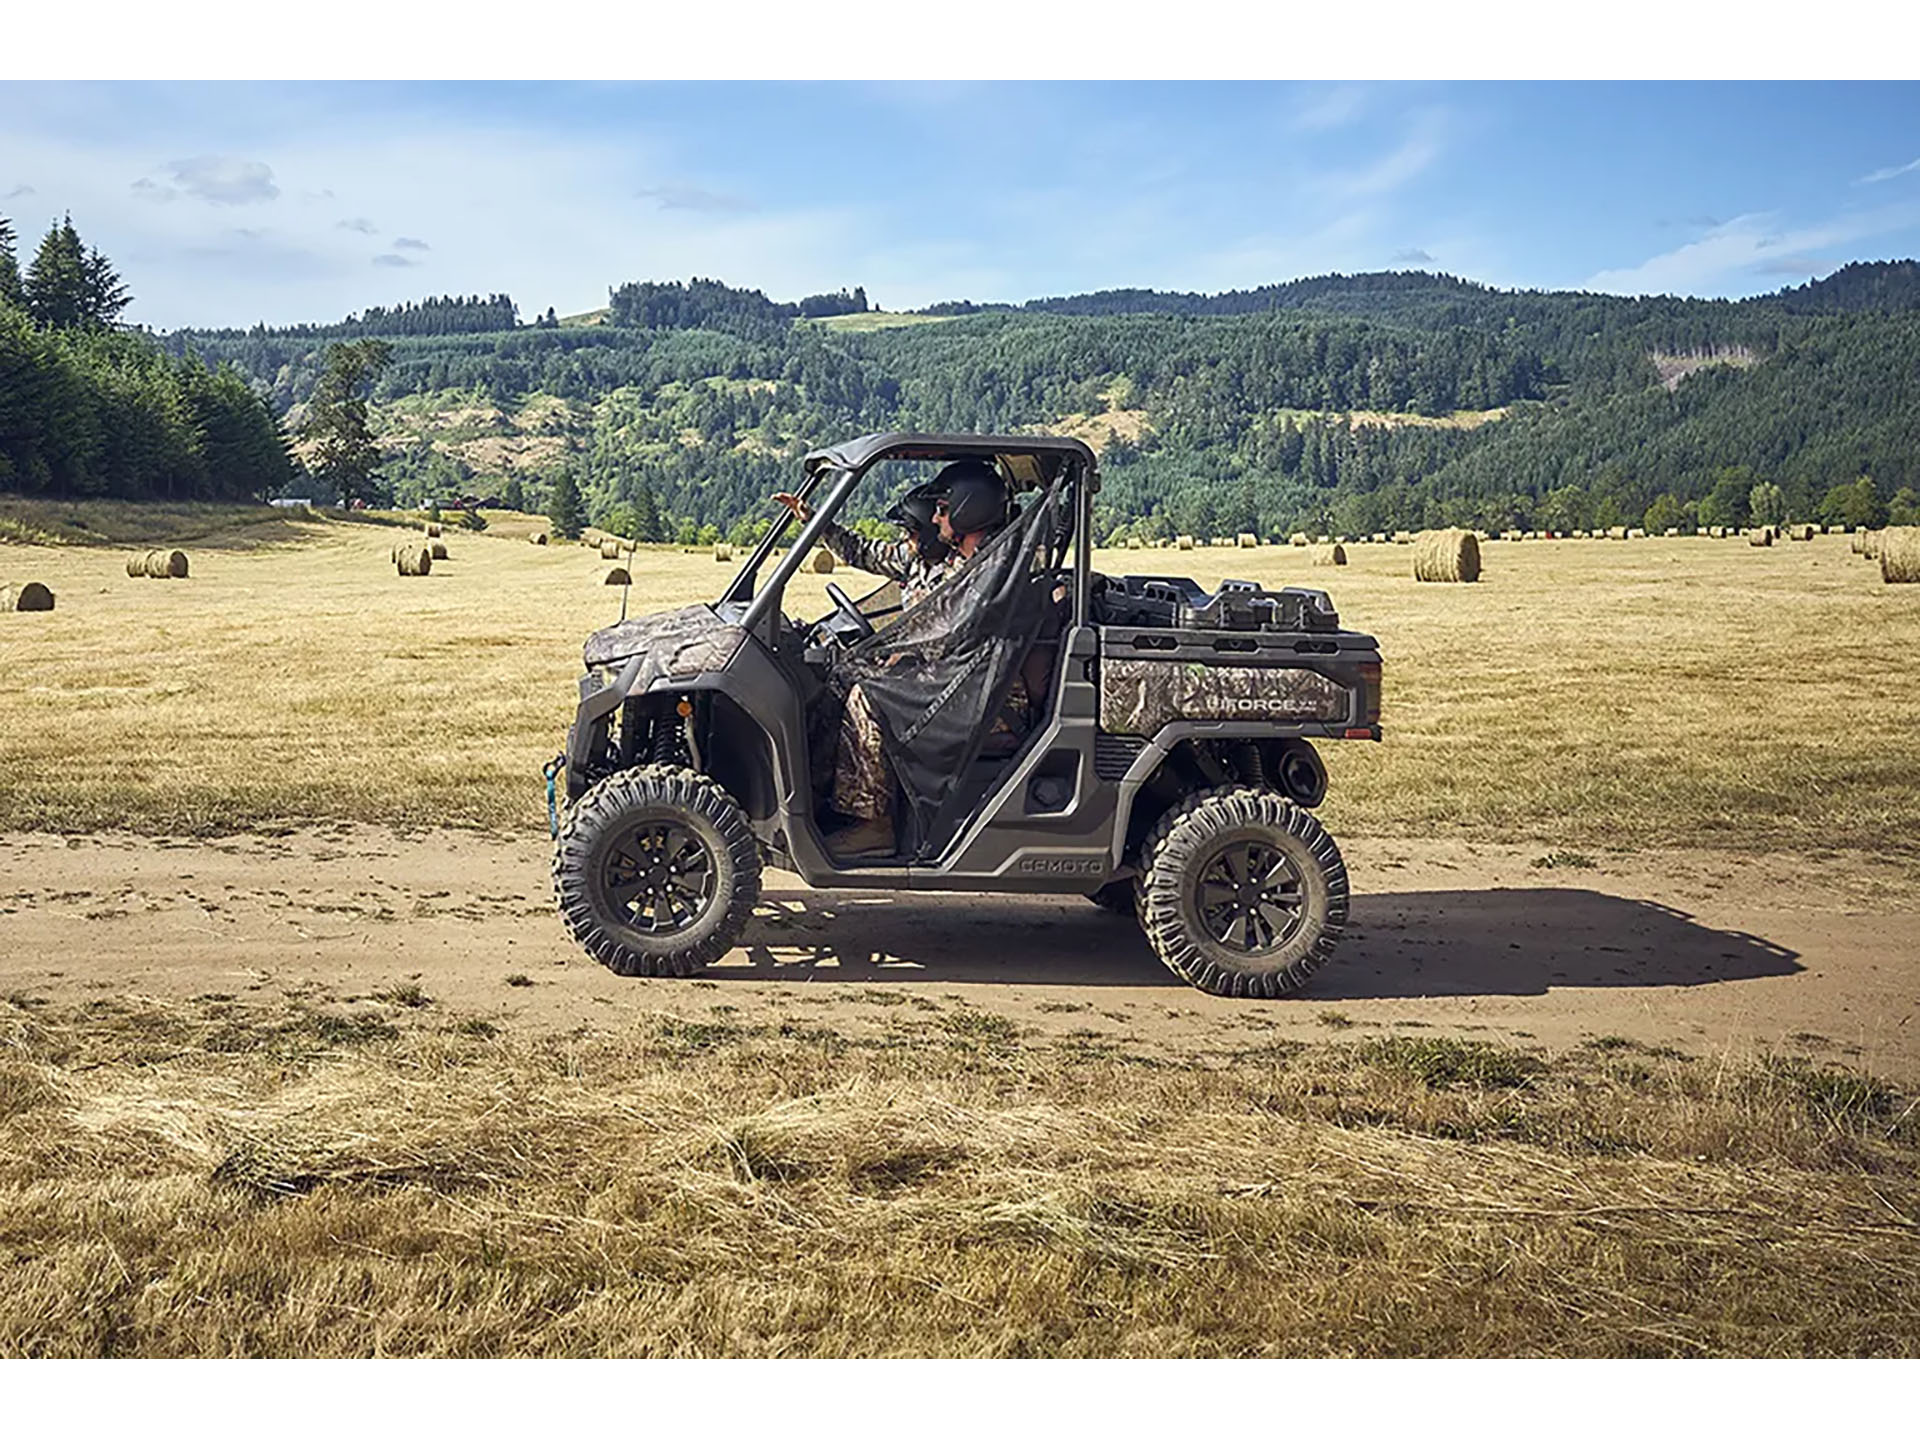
[[1242, 892], [1118, 897], [656, 871]]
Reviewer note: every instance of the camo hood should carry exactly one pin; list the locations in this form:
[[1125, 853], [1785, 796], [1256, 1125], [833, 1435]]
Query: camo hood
[[679, 643]]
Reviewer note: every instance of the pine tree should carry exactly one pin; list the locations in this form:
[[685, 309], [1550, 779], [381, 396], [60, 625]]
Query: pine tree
[[344, 454], [10, 290], [56, 285], [106, 295], [649, 527], [513, 495], [566, 509]]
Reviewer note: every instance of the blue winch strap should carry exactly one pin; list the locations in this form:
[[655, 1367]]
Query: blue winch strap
[[552, 771]]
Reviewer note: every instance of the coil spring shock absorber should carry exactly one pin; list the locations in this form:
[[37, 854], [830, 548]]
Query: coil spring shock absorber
[[667, 741], [1248, 765]]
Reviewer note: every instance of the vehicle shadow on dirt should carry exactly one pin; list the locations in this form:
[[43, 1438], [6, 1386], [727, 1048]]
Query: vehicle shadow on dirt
[[1407, 945]]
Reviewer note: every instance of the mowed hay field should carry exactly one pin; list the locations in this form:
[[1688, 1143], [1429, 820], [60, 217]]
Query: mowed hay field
[[301, 1164], [1628, 693]]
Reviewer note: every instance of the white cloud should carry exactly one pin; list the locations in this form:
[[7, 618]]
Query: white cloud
[[223, 179], [1330, 109], [694, 197], [359, 224], [1746, 244], [1424, 143], [1892, 172], [407, 242], [396, 262]]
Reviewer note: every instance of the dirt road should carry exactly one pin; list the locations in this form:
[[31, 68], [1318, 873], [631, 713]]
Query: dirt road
[[1702, 951]]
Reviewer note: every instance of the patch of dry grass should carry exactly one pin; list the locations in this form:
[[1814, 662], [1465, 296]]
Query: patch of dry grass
[[214, 1178], [26, 521], [1662, 692]]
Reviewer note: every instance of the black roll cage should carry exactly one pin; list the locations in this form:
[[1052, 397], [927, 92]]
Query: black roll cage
[[839, 469]]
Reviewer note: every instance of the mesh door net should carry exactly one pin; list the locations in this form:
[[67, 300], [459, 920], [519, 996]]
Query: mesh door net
[[938, 675]]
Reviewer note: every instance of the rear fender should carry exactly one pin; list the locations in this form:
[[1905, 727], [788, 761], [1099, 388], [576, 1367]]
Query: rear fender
[[1185, 758]]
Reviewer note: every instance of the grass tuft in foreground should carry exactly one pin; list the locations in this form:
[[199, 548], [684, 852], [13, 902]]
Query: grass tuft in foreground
[[219, 1178]]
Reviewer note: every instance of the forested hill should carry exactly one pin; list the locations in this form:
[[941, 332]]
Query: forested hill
[[1353, 403]]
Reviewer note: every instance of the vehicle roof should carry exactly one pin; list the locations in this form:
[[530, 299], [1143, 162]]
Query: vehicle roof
[[922, 445]]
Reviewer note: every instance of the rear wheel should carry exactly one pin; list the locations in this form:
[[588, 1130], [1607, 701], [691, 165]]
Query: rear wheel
[[1243, 893], [656, 871]]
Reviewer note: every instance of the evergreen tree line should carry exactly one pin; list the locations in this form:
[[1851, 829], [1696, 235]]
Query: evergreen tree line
[[711, 305], [699, 398], [86, 409]]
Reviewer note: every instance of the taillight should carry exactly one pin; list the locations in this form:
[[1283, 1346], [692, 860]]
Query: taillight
[[1369, 693]]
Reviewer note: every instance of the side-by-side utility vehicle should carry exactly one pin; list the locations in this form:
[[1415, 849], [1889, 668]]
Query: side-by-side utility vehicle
[[1164, 765]]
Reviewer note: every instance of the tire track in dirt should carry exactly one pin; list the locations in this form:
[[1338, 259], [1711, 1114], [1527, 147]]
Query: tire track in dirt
[[1699, 950]]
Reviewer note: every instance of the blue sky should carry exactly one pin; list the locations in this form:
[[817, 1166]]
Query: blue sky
[[230, 203]]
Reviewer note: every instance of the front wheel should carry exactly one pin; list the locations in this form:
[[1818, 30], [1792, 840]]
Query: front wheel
[[1243, 892], [656, 871]]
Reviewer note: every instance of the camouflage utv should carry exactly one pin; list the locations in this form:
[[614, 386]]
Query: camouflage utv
[[1164, 767]]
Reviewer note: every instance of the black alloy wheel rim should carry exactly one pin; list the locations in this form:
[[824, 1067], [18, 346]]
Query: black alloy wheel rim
[[1250, 898], [659, 877]]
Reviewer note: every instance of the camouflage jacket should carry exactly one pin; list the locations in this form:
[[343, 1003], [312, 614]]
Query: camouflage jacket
[[895, 560]]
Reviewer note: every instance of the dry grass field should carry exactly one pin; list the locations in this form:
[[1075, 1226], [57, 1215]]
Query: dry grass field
[[223, 1178], [382, 1157], [1655, 692]]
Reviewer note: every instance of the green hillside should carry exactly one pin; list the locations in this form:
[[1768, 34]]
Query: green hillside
[[1352, 403]]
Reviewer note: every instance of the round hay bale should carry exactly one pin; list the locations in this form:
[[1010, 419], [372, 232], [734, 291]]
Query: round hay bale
[[1671, 531], [439, 548], [1761, 537], [1636, 533], [609, 549], [414, 560], [137, 564], [1379, 537], [1403, 537], [1133, 542], [432, 529], [1802, 532], [823, 561], [1334, 554], [723, 553], [1899, 555], [1511, 534], [1618, 532], [1446, 555], [1246, 540], [618, 576], [1299, 537], [30, 596], [1184, 542]]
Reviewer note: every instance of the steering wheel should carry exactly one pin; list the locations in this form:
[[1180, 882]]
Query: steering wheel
[[847, 608]]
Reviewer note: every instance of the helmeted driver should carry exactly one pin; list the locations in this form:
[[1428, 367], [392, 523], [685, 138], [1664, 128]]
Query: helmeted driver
[[918, 559], [969, 503]]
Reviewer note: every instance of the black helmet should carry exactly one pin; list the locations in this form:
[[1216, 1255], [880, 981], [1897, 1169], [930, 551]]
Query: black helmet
[[913, 512], [976, 496]]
